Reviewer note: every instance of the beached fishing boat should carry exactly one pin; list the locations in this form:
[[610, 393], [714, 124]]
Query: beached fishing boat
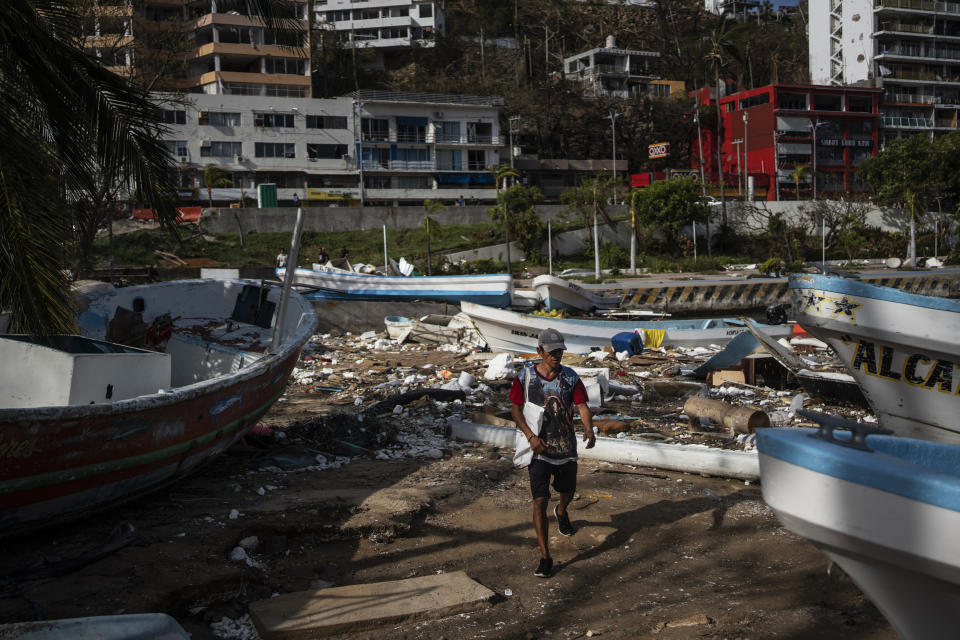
[[161, 379], [884, 508], [336, 284], [557, 293], [902, 349], [510, 331]]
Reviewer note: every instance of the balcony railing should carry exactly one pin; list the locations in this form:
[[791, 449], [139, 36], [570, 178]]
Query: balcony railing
[[910, 98], [431, 138], [920, 5], [923, 52], [400, 165], [941, 123], [906, 27], [907, 123]]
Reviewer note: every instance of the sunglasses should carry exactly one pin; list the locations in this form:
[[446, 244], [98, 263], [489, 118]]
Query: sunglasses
[[556, 353]]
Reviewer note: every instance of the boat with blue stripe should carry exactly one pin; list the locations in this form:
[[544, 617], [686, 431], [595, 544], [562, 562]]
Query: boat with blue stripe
[[902, 349], [883, 507], [336, 284]]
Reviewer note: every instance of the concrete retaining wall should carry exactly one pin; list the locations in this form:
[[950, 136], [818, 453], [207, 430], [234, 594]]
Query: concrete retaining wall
[[328, 219], [691, 297]]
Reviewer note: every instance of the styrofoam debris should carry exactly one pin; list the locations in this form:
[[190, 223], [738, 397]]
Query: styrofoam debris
[[599, 356], [234, 514], [499, 367], [250, 543]]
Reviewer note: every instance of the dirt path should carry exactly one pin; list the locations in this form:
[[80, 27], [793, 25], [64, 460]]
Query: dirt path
[[657, 554]]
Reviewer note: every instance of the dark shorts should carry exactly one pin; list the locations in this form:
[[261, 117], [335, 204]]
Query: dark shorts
[[564, 477]]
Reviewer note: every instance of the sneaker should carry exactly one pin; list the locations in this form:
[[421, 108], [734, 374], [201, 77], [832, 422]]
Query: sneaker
[[545, 568], [563, 523]]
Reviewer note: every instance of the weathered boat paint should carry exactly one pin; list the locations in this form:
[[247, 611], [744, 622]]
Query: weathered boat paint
[[58, 463], [901, 348]]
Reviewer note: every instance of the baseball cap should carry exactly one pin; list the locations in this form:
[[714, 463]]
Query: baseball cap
[[550, 340]]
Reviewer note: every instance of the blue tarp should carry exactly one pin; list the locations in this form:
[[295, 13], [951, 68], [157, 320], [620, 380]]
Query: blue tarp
[[481, 178]]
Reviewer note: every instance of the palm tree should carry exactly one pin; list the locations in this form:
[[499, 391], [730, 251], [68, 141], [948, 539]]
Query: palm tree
[[500, 176], [431, 207], [722, 50], [800, 172], [215, 177], [67, 123]]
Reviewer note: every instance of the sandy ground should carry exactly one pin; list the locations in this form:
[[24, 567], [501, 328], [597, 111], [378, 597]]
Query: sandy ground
[[657, 554]]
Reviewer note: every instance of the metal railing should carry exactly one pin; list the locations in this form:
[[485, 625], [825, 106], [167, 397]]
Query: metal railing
[[940, 123], [906, 27], [923, 52], [907, 123], [911, 98], [400, 165], [431, 138], [429, 98], [920, 5]]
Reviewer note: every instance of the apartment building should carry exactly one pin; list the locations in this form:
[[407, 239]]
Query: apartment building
[[189, 45], [418, 146], [380, 24], [736, 8], [617, 73], [909, 48], [766, 133], [413, 147]]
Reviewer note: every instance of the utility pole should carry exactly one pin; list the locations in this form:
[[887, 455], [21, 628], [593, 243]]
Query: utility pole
[[613, 124], [514, 129], [746, 157]]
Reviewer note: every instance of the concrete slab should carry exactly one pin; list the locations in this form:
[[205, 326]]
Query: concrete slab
[[316, 614]]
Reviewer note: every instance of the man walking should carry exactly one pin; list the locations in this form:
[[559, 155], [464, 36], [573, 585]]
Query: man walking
[[558, 389]]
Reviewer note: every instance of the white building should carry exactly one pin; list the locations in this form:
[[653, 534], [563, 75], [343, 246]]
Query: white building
[[415, 146], [380, 24], [618, 73], [909, 48], [737, 8]]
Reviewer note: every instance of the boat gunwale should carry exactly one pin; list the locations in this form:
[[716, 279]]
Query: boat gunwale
[[839, 284], [293, 342], [493, 277]]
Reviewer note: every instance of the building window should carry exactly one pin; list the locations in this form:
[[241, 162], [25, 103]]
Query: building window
[[377, 182], [754, 101], [860, 104], [176, 147], [329, 151], [283, 179], [273, 120], [242, 89], [286, 91], [795, 101], [448, 160], [332, 181], [375, 129], [275, 150], [827, 102], [477, 160], [447, 131], [413, 182], [173, 116], [219, 118], [426, 10], [289, 66], [326, 122], [221, 150]]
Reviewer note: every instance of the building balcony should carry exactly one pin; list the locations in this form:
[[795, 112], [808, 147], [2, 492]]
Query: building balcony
[[919, 54], [945, 123], [419, 195], [249, 50], [951, 8], [400, 165], [432, 138], [249, 78], [898, 122], [909, 98]]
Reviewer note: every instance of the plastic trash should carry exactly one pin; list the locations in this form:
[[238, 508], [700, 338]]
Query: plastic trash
[[500, 366], [797, 403], [466, 379]]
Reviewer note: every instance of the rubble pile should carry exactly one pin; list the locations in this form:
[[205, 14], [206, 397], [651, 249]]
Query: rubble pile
[[391, 399]]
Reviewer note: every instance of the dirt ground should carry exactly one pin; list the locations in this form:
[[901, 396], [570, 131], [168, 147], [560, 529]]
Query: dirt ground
[[658, 554]]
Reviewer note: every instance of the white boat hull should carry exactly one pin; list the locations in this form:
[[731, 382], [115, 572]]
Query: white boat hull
[[560, 294], [491, 289], [902, 349], [517, 332], [902, 551]]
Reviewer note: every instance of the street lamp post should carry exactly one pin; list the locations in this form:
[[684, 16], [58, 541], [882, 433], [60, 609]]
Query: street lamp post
[[814, 128], [746, 157], [514, 128], [613, 125], [736, 144]]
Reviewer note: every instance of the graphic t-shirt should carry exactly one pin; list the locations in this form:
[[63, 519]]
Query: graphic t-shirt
[[558, 397]]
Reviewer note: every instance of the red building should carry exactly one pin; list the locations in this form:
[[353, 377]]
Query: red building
[[767, 132]]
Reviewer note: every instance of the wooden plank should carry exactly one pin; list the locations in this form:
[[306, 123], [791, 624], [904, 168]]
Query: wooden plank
[[327, 612]]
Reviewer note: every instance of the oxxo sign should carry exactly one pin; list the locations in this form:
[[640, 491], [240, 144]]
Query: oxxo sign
[[658, 150]]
